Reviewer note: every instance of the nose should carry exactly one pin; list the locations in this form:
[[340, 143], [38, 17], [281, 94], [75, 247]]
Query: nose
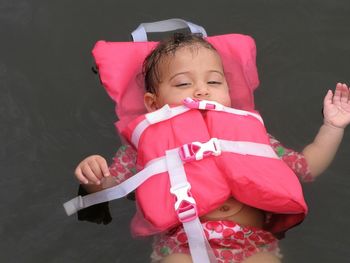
[[201, 91]]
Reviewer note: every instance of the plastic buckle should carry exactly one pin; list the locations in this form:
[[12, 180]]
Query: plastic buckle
[[185, 205], [202, 104], [196, 150]]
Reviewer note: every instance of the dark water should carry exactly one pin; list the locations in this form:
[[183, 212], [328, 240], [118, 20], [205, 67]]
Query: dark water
[[53, 113]]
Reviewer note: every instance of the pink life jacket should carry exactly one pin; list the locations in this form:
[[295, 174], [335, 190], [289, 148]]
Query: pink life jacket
[[266, 183], [119, 65]]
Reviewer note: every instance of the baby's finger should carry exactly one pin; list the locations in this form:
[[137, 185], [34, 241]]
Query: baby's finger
[[89, 174], [328, 98], [95, 168], [337, 94], [79, 175], [103, 166], [344, 93]]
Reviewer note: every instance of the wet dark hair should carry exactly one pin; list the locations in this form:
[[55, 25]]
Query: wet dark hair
[[167, 47]]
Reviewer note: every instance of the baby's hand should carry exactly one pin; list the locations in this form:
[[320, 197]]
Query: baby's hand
[[91, 170], [336, 108]]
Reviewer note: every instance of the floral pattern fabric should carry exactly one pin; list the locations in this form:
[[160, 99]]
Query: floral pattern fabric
[[295, 160], [124, 164], [229, 241]]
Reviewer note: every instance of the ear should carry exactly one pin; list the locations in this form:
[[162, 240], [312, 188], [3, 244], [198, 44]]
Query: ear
[[150, 101]]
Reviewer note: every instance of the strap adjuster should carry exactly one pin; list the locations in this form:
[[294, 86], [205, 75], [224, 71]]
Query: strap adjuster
[[202, 104], [185, 205], [197, 150]]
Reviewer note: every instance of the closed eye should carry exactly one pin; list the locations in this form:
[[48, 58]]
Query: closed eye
[[182, 84], [214, 82]]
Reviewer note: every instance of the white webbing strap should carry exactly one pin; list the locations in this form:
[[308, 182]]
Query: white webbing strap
[[201, 251], [248, 148], [243, 112], [162, 114], [140, 33], [161, 165], [196, 240], [167, 112], [154, 167], [215, 106]]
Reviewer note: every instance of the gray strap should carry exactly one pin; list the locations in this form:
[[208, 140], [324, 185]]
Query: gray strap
[[140, 33]]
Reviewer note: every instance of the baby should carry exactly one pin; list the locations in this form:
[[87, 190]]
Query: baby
[[189, 66]]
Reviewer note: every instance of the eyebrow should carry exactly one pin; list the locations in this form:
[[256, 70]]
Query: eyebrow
[[209, 71], [217, 71], [180, 73]]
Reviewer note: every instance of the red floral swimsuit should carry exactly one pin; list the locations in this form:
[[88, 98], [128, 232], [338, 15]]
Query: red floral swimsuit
[[230, 242]]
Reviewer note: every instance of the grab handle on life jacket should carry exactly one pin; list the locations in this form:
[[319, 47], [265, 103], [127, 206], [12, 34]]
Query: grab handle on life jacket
[[140, 33]]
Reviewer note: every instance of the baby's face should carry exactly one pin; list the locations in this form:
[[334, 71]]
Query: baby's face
[[191, 72]]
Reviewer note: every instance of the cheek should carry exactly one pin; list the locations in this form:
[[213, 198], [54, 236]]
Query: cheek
[[226, 100], [228, 103], [178, 97], [172, 98]]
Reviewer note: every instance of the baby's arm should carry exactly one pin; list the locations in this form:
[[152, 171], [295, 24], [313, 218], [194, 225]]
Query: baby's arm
[[123, 166], [336, 110], [94, 168]]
